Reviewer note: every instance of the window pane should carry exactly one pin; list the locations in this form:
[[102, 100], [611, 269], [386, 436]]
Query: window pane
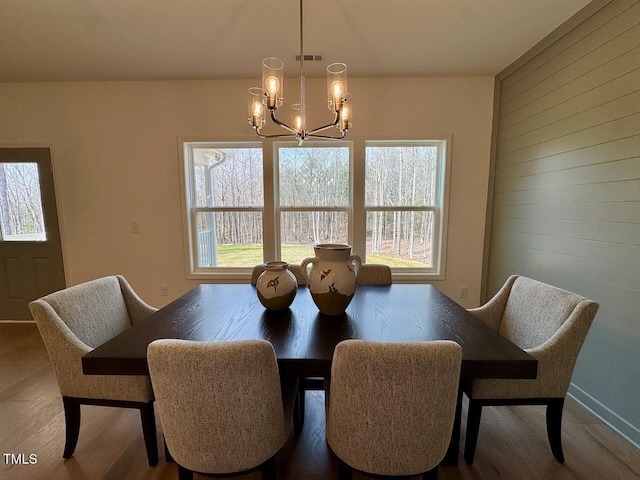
[[228, 177], [400, 176], [229, 239], [299, 231], [400, 239], [314, 176], [21, 216]]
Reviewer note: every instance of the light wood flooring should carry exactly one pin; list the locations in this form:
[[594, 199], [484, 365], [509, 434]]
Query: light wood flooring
[[512, 443]]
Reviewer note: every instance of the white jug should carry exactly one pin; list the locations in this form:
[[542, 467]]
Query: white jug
[[332, 279]]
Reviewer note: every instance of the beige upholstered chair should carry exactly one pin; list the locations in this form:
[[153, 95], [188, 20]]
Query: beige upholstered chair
[[374, 274], [368, 274], [392, 406], [295, 269], [220, 405], [548, 323], [74, 321]]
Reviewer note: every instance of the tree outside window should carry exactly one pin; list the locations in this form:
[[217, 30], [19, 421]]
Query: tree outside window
[[314, 197], [402, 202], [21, 216]]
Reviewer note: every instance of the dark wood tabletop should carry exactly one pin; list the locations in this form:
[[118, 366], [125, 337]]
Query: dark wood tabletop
[[304, 339]]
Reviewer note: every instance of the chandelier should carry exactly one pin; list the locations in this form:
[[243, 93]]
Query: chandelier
[[269, 97]]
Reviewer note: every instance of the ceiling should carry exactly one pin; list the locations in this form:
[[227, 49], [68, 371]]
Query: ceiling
[[77, 40]]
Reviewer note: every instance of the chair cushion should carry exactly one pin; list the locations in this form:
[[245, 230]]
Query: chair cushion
[[535, 311], [94, 311]]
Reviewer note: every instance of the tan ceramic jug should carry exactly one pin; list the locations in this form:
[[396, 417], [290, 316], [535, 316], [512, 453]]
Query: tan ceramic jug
[[276, 286], [332, 279]]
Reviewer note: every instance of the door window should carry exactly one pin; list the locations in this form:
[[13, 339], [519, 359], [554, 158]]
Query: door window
[[21, 216]]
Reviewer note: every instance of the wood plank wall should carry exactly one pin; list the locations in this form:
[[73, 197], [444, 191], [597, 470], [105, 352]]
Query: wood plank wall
[[565, 207]]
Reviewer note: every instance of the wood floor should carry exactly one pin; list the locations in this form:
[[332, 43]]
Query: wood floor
[[512, 443]]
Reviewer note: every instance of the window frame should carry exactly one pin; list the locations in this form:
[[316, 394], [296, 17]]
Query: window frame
[[191, 209], [439, 207], [357, 210]]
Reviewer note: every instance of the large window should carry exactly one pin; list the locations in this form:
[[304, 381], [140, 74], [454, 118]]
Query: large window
[[386, 198], [225, 198], [314, 197], [403, 198]]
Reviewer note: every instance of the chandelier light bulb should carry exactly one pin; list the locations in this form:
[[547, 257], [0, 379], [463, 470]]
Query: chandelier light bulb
[[337, 90], [258, 112], [272, 85], [257, 108], [297, 123]]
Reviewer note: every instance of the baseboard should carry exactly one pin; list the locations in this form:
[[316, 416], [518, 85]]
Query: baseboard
[[630, 432], [17, 321]]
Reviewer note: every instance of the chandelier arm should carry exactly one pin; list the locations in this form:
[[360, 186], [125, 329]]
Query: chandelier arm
[[320, 129], [324, 127], [283, 125], [277, 135], [327, 136]]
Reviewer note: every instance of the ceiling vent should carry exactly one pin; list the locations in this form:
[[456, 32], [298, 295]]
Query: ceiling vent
[[309, 57]]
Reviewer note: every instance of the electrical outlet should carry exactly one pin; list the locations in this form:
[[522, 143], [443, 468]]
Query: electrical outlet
[[464, 291], [134, 227], [164, 290]]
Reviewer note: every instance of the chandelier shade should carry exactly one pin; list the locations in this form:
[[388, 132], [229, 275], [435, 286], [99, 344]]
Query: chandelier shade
[[257, 110], [265, 100]]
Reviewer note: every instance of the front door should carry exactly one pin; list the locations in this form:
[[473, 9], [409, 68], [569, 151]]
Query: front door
[[30, 248]]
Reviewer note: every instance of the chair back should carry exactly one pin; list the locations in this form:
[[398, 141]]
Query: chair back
[[374, 274], [392, 405], [535, 311], [94, 311], [220, 404]]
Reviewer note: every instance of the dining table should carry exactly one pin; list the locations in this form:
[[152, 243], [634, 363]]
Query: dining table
[[304, 339]]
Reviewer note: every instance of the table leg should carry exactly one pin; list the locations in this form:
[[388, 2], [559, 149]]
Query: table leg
[[327, 391], [451, 457]]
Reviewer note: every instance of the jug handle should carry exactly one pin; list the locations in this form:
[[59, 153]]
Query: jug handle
[[356, 262], [303, 268]]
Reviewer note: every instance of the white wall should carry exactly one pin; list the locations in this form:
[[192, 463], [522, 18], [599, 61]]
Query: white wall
[[116, 161]]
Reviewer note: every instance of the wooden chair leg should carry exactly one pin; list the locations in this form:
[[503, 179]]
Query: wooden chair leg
[[299, 411], [473, 427], [147, 415], [345, 472], [453, 451], [167, 454], [268, 471], [327, 396], [554, 427], [431, 474], [72, 421], [184, 474]]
